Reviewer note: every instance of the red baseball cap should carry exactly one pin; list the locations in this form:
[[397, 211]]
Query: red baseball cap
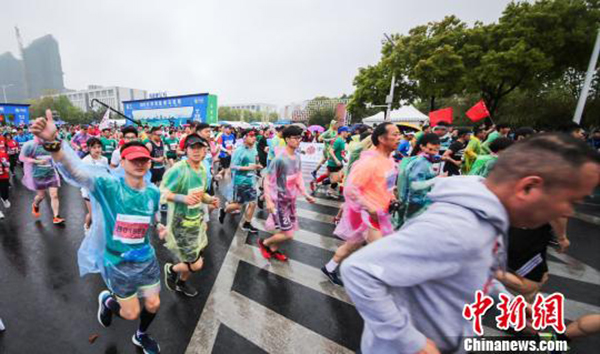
[[135, 152]]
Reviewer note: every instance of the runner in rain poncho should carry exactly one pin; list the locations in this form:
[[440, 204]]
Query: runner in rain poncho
[[39, 175], [368, 193], [416, 178], [283, 184], [184, 188], [484, 163], [118, 246]]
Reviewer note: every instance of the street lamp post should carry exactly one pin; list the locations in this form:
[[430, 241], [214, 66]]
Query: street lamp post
[[4, 87], [588, 81], [389, 99]]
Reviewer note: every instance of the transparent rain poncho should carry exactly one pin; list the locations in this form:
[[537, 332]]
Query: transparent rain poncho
[[370, 185], [123, 221], [186, 226], [284, 181], [416, 178], [37, 176], [483, 165]]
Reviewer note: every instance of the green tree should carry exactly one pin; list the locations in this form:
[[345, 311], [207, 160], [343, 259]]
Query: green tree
[[61, 105], [229, 114], [322, 117], [536, 50]]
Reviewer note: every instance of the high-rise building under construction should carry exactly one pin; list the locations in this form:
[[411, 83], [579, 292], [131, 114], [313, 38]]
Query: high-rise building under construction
[[39, 71]]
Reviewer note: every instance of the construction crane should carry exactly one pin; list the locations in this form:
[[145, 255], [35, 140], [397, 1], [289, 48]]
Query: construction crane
[[22, 52]]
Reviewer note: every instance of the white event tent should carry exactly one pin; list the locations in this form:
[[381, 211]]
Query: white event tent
[[404, 114]]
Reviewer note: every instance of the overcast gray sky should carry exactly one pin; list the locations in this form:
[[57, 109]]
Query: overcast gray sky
[[271, 51]]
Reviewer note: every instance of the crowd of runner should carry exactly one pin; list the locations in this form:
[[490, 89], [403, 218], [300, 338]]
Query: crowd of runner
[[417, 245]]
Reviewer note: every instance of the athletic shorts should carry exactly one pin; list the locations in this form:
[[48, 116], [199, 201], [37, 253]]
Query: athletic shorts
[[43, 183], [527, 251], [127, 279], [225, 161], [285, 218], [157, 175], [334, 169], [172, 155], [244, 193]]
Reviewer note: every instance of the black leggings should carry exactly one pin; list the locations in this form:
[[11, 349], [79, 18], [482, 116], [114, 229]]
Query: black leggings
[[4, 184], [13, 159]]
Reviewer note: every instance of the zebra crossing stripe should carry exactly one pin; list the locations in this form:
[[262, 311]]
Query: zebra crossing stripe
[[292, 270], [286, 336], [308, 214], [574, 269], [585, 274], [273, 332], [237, 312], [574, 309], [307, 237]]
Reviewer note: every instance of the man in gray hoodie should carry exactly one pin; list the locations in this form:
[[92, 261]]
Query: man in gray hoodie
[[410, 287]]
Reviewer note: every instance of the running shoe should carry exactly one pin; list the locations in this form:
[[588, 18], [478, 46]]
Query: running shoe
[[1, 215], [170, 277], [333, 277], [222, 215], [2, 328], [280, 256], [186, 289], [314, 174], [104, 313], [35, 210], [146, 343], [6, 203], [57, 220], [264, 250], [248, 227]]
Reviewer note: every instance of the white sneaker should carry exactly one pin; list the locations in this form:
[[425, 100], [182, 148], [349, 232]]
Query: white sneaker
[[1, 215], [6, 203]]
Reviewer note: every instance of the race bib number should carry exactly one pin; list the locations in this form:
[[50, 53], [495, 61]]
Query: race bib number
[[173, 147], [131, 229], [47, 161]]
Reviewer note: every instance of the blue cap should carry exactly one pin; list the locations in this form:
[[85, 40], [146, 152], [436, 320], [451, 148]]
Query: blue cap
[[343, 129]]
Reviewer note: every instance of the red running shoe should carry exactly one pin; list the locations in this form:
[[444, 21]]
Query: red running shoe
[[264, 250], [280, 256], [35, 210]]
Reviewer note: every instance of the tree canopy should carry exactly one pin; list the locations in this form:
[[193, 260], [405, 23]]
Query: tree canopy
[[534, 57]]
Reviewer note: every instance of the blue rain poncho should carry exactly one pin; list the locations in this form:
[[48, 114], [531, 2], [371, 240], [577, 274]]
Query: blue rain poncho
[[124, 218], [186, 225], [416, 178]]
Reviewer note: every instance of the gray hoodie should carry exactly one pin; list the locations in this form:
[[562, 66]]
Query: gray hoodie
[[413, 284]]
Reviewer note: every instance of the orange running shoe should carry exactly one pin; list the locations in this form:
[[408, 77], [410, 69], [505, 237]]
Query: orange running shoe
[[35, 210], [57, 220]]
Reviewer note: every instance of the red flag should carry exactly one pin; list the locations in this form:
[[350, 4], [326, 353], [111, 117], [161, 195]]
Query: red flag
[[441, 115], [478, 112]]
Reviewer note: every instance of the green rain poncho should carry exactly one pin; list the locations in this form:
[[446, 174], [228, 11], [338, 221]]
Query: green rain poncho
[[483, 165], [186, 228]]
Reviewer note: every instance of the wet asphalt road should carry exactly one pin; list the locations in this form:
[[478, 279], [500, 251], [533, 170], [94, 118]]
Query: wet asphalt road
[[48, 308]]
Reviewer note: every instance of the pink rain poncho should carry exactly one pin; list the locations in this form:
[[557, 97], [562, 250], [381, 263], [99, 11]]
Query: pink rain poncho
[[284, 182], [38, 176], [369, 186]]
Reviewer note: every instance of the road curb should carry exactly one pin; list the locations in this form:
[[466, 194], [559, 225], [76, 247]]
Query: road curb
[[587, 218]]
